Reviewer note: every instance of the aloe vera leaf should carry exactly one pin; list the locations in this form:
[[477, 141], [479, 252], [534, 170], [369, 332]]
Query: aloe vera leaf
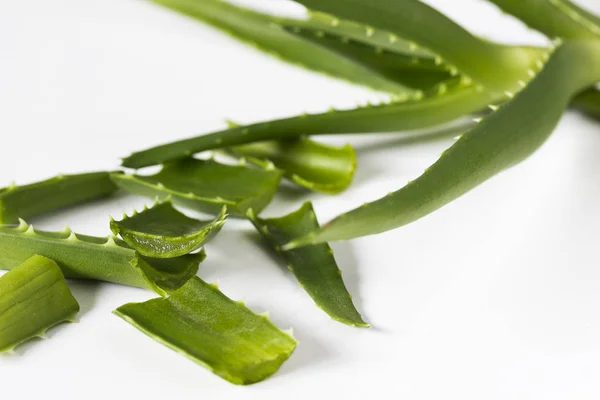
[[34, 297], [223, 335], [266, 33], [207, 186], [495, 66], [501, 140], [447, 104], [164, 232], [313, 165], [314, 266], [62, 191], [588, 101], [411, 71], [88, 257], [555, 18]]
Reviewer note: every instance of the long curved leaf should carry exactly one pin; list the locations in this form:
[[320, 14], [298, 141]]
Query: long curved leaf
[[163, 232], [314, 266], [223, 335], [34, 296], [501, 140]]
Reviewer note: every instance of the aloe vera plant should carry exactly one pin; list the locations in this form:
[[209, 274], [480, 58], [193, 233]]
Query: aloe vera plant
[[34, 296], [314, 266], [164, 232], [223, 335], [88, 257], [62, 191]]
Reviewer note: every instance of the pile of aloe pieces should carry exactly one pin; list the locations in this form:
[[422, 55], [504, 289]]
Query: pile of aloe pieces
[[434, 72]]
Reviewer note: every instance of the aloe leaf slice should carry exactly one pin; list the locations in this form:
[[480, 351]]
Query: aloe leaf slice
[[62, 191], [501, 140], [207, 186], [88, 257], [314, 266], [266, 33], [495, 66], [446, 104], [34, 297], [164, 232], [313, 165], [223, 335]]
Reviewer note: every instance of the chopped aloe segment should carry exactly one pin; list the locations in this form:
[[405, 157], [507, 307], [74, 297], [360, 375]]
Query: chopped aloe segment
[[62, 191], [206, 185], [88, 257], [223, 335], [314, 266], [164, 232], [34, 297], [310, 164]]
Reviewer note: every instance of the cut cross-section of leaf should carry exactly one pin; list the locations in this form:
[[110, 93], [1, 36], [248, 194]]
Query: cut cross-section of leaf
[[34, 296], [88, 257], [164, 232], [310, 164], [62, 191], [314, 266], [224, 336], [207, 186]]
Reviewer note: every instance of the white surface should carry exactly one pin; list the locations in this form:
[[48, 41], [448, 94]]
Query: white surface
[[495, 296]]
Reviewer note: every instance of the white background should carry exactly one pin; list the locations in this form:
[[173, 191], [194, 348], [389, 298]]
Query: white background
[[495, 296]]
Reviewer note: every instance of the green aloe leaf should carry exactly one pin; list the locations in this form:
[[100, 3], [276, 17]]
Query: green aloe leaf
[[88, 257], [223, 335], [164, 232], [206, 185], [62, 191], [266, 33], [446, 104], [495, 66], [500, 141], [310, 164], [314, 266], [33, 298], [588, 101]]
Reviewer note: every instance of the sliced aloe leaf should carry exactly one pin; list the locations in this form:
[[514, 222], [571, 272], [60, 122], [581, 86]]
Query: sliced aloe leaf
[[446, 104], [314, 266], [310, 164], [555, 18], [206, 185], [223, 335], [88, 257], [164, 232], [588, 101], [503, 139], [495, 66], [34, 297], [266, 33], [62, 191]]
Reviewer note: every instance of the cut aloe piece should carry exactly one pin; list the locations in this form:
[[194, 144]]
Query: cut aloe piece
[[34, 297], [310, 164], [164, 232], [88, 257], [223, 335], [314, 266], [207, 186], [62, 191]]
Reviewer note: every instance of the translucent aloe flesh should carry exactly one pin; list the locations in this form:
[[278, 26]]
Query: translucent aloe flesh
[[310, 164], [501, 140], [266, 33], [164, 232], [223, 335], [34, 297], [87, 257], [62, 191], [314, 266], [446, 104], [206, 185]]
